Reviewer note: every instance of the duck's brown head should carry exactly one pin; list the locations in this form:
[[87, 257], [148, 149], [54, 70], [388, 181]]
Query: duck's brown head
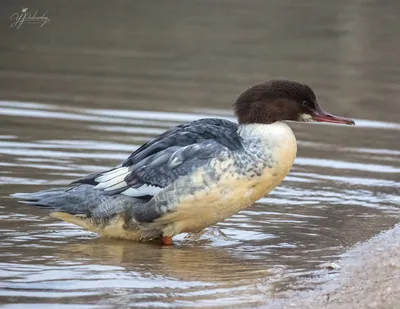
[[278, 100]]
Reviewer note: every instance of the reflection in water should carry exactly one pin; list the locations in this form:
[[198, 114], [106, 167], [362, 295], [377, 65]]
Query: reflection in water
[[73, 105]]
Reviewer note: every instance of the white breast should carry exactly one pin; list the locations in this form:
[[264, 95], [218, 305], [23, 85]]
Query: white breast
[[276, 139]]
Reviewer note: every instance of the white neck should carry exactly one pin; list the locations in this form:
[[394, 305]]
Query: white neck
[[274, 131], [276, 140]]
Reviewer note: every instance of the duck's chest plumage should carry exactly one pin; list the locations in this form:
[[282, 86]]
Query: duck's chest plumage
[[234, 181]]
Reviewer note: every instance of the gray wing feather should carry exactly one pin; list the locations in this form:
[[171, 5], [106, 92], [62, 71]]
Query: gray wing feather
[[161, 161], [190, 133], [208, 129], [174, 163], [150, 175]]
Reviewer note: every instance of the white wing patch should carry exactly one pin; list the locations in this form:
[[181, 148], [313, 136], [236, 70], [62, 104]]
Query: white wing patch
[[115, 179], [112, 180], [142, 191], [112, 174]]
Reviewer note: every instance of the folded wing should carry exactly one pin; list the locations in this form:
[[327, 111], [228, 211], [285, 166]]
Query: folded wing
[[159, 162]]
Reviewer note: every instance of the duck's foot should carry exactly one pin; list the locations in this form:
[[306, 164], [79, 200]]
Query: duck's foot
[[166, 240]]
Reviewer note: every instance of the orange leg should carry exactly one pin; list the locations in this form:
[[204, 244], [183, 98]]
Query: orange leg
[[166, 240]]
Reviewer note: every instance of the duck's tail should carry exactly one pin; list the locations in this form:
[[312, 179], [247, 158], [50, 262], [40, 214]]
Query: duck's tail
[[89, 208], [73, 200]]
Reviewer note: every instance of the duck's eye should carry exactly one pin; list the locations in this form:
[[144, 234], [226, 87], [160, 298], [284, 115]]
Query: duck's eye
[[304, 103]]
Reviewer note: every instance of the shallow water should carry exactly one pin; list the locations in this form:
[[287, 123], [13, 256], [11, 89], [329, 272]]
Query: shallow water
[[76, 105]]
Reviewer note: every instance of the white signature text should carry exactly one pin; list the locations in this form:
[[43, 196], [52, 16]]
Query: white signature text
[[27, 18]]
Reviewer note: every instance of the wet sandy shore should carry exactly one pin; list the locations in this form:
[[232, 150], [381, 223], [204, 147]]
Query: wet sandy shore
[[368, 277]]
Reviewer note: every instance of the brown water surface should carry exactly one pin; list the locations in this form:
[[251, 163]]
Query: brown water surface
[[78, 95]]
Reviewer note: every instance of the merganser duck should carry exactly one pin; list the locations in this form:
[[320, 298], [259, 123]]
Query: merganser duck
[[193, 175]]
